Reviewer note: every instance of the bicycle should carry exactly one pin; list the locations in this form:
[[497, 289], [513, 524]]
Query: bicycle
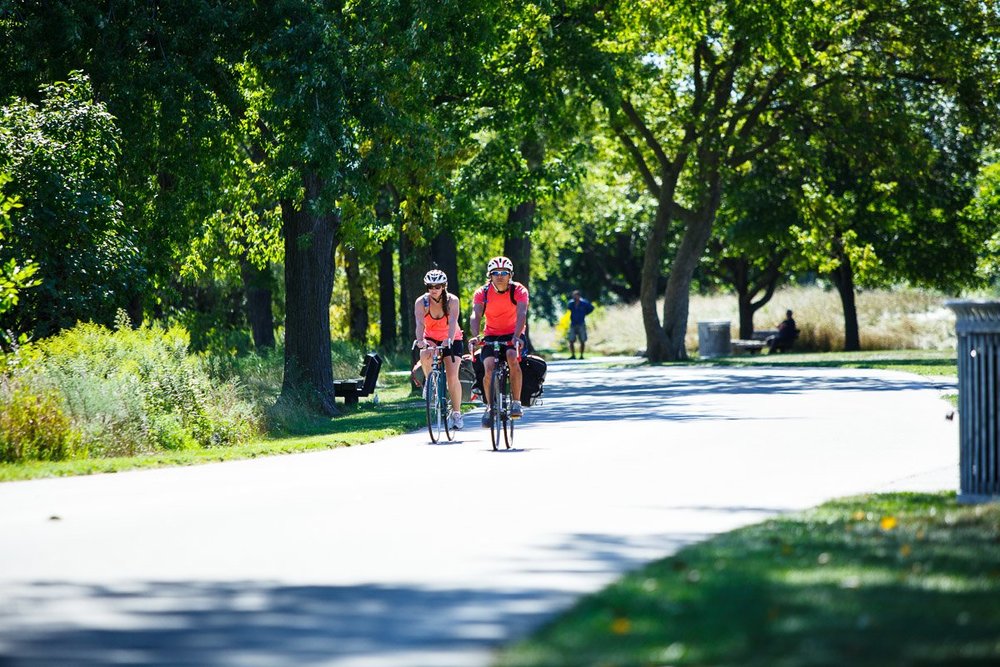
[[436, 397], [500, 397]]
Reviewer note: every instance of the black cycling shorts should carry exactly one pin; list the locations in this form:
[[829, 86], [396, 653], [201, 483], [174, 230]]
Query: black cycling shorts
[[457, 347]]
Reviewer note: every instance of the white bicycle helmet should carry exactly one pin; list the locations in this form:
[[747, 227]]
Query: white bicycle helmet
[[435, 277], [501, 263]]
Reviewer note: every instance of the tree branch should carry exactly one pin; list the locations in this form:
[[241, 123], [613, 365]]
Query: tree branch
[[647, 175], [737, 159], [646, 134]]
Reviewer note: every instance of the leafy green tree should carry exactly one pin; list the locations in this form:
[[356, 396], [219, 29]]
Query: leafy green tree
[[891, 155], [15, 275], [753, 243], [697, 90], [161, 69], [984, 211], [62, 157]]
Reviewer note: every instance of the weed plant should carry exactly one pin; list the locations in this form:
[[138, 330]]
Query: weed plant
[[122, 392]]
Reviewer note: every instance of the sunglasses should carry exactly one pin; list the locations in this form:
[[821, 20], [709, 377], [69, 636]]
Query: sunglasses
[[434, 286], [499, 273]]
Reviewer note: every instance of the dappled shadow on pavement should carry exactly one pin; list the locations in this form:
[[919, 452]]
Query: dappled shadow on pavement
[[575, 394], [252, 622]]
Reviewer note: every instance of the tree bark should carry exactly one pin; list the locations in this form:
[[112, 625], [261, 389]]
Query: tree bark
[[357, 299], [843, 278], [517, 242], [656, 339], [414, 262], [384, 209], [309, 242], [517, 247], [697, 232], [739, 271], [258, 290], [387, 295], [444, 254]]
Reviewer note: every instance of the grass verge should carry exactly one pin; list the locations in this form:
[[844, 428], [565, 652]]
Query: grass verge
[[919, 362], [396, 413], [882, 580]]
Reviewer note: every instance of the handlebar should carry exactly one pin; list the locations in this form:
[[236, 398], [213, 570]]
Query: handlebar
[[516, 343], [433, 347]]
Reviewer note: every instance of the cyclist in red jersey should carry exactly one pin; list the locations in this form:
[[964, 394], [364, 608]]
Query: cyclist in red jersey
[[436, 316], [504, 304]]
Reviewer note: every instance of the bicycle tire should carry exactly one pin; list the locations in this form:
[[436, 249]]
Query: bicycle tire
[[444, 402], [496, 391], [508, 422], [433, 407]]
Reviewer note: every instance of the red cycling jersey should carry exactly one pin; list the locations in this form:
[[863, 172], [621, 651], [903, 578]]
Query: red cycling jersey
[[500, 310]]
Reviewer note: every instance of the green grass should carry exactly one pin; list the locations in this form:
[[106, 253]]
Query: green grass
[[920, 362], [396, 413], [896, 579]]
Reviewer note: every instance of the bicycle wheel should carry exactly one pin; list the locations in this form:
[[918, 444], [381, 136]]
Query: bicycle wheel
[[508, 423], [433, 406], [443, 403], [496, 392]]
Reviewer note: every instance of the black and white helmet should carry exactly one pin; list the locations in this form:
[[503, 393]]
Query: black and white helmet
[[435, 277], [501, 263]]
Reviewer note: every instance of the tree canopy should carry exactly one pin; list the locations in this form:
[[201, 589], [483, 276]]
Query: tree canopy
[[208, 162]]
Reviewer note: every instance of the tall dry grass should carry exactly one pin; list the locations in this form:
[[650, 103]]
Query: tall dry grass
[[887, 319]]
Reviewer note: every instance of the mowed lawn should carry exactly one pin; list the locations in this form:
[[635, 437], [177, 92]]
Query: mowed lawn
[[881, 580]]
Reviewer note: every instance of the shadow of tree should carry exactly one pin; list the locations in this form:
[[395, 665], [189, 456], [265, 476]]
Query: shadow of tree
[[657, 393], [839, 586], [252, 622]]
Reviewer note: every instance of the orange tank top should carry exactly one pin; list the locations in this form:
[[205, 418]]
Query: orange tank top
[[436, 328]]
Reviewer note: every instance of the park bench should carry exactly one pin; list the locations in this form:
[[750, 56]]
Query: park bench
[[353, 388], [754, 345]]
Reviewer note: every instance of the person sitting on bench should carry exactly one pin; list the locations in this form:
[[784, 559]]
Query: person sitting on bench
[[787, 333]]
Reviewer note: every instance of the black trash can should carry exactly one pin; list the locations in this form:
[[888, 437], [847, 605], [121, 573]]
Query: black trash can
[[978, 327]]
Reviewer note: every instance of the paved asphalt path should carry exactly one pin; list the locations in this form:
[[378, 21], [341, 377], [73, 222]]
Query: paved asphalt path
[[406, 553]]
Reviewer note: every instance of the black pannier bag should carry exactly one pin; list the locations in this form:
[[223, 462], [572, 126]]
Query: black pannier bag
[[533, 370], [467, 376], [480, 371], [532, 378]]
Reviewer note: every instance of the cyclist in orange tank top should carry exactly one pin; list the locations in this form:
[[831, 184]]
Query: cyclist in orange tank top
[[436, 316], [504, 304]]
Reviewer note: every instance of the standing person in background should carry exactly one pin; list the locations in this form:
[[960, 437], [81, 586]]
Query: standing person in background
[[436, 317], [579, 308], [504, 305]]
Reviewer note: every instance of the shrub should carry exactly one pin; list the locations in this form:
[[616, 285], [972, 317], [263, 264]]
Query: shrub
[[33, 426], [129, 391]]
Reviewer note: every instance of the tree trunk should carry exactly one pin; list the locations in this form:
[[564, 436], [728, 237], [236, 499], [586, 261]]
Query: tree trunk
[[444, 254], [697, 232], [517, 242], [748, 283], [309, 242], [746, 307], [357, 299], [387, 295], [677, 294], [843, 278], [385, 208], [656, 340], [257, 288], [414, 262], [517, 248]]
